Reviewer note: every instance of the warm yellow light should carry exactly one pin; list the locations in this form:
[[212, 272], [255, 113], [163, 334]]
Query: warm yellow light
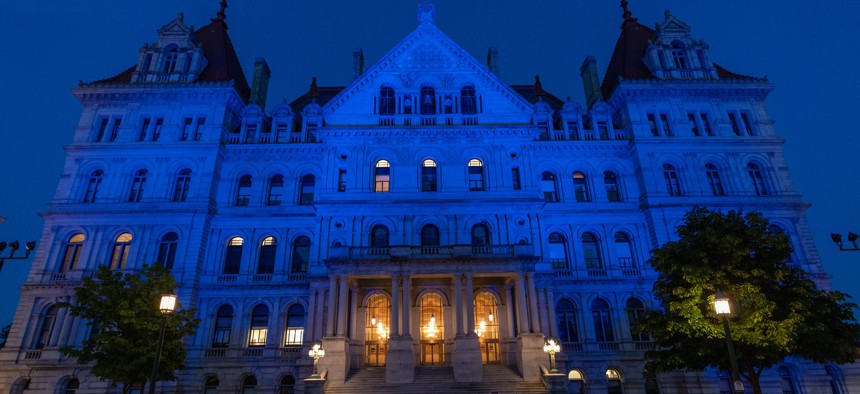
[[373, 320], [721, 305], [491, 317], [551, 347], [168, 303]]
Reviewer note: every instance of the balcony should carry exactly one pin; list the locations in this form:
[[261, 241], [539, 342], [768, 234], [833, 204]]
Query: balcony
[[431, 252], [260, 279]]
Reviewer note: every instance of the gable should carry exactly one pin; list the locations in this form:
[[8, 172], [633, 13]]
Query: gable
[[427, 58]]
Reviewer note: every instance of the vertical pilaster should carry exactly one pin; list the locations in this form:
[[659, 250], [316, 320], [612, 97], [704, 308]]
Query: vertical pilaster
[[341, 307], [510, 311], [550, 300], [470, 306], [308, 335], [458, 303], [407, 304], [533, 308], [332, 301], [522, 315], [395, 306], [353, 306]]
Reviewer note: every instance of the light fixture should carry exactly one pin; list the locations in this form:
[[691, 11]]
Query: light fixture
[[722, 307], [491, 317], [432, 328], [316, 352], [837, 239], [373, 320], [13, 247], [551, 347], [167, 305], [482, 327]]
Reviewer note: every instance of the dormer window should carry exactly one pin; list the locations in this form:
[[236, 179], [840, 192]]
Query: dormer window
[[679, 55], [171, 57], [468, 104], [387, 102]]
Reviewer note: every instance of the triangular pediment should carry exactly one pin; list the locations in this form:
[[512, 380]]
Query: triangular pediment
[[176, 32], [426, 57], [672, 26]]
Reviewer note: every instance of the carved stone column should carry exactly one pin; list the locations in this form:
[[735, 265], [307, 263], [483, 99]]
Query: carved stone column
[[533, 308]]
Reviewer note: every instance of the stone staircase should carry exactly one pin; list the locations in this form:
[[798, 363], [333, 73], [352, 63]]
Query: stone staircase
[[497, 379]]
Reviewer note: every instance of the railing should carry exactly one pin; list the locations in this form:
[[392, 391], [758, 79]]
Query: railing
[[494, 250], [259, 278], [252, 352], [428, 121], [608, 346], [597, 272], [57, 277], [265, 138], [643, 345], [33, 355], [369, 252], [227, 278], [215, 353], [297, 277], [470, 121], [290, 353], [631, 272], [563, 273], [233, 138], [560, 263], [570, 347], [386, 121], [419, 252]]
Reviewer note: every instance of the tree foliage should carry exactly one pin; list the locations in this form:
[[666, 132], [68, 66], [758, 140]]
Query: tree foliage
[[777, 310], [4, 335], [123, 311]]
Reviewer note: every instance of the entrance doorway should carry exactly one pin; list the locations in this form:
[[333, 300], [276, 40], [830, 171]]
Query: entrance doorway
[[432, 330], [376, 330], [487, 326]]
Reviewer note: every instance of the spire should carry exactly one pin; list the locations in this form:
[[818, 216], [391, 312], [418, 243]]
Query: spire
[[221, 15], [627, 15]]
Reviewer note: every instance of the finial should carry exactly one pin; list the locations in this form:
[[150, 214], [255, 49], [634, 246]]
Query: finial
[[426, 13], [627, 15], [221, 15], [314, 91], [180, 17], [667, 13], [538, 86]]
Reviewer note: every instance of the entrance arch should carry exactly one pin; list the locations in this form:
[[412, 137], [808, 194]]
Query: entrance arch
[[487, 326], [377, 329], [432, 330]]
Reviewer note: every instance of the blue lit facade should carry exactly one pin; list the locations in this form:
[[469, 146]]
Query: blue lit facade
[[427, 215]]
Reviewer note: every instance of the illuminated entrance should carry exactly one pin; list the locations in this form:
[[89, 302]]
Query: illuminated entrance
[[432, 331], [487, 327], [376, 329]]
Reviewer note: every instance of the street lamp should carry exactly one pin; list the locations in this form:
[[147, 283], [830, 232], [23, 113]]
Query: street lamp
[[316, 353], [168, 304], [13, 247], [852, 237], [724, 309], [551, 347]]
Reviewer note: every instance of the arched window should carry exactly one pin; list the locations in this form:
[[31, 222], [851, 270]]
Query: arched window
[[476, 175], [610, 181], [757, 180], [580, 187], [377, 328], [613, 382], [429, 235], [382, 176], [651, 385], [182, 184], [243, 192], [276, 190], [93, 185], [167, 250], [673, 183], [137, 184], [223, 327], [301, 255], [714, 180], [306, 194], [481, 235], [487, 326], [577, 382], [249, 385], [591, 251], [259, 326], [635, 312], [602, 318], [171, 56], [72, 253], [295, 331], [566, 318], [407, 104], [266, 260], [428, 100], [387, 102], [210, 386], [837, 385], [287, 385], [120, 251], [72, 386], [46, 327], [379, 236], [548, 187], [679, 55], [786, 381], [428, 176], [233, 257], [558, 251], [431, 329], [468, 103], [624, 251]]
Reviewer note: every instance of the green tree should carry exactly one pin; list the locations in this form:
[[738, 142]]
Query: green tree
[[123, 311], [4, 335], [778, 311]]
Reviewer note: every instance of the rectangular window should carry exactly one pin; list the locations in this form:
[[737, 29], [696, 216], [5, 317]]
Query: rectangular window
[[102, 129], [114, 130], [706, 124], [156, 131], [281, 133], [258, 337], [573, 130], [603, 130], [250, 132], [198, 129], [144, 127], [664, 120], [747, 125], [736, 127], [186, 128], [694, 126], [293, 336], [515, 177], [652, 125], [341, 180]]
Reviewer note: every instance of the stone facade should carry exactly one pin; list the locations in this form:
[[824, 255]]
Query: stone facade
[[427, 215]]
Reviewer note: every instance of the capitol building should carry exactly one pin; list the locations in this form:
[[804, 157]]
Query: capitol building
[[429, 224]]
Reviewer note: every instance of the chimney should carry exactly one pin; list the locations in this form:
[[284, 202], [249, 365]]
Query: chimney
[[260, 83], [590, 81], [493, 60], [357, 62]]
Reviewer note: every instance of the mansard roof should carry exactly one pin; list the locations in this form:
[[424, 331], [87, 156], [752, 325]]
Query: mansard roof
[[627, 57], [223, 62]]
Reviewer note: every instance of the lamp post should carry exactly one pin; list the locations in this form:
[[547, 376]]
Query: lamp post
[[316, 353], [13, 247], [168, 304], [724, 309], [852, 237], [551, 347]]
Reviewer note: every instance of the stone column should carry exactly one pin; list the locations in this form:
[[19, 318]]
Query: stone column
[[510, 311], [533, 309], [332, 289], [341, 307], [319, 315], [458, 303], [550, 303], [407, 305], [59, 323], [308, 336], [395, 307], [353, 306], [522, 315], [470, 306]]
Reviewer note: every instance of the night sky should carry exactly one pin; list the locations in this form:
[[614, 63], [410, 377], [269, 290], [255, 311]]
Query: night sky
[[810, 52]]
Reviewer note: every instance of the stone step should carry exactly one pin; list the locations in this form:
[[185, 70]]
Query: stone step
[[497, 379]]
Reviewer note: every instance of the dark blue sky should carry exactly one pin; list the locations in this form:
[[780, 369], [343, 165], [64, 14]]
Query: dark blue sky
[[810, 52]]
